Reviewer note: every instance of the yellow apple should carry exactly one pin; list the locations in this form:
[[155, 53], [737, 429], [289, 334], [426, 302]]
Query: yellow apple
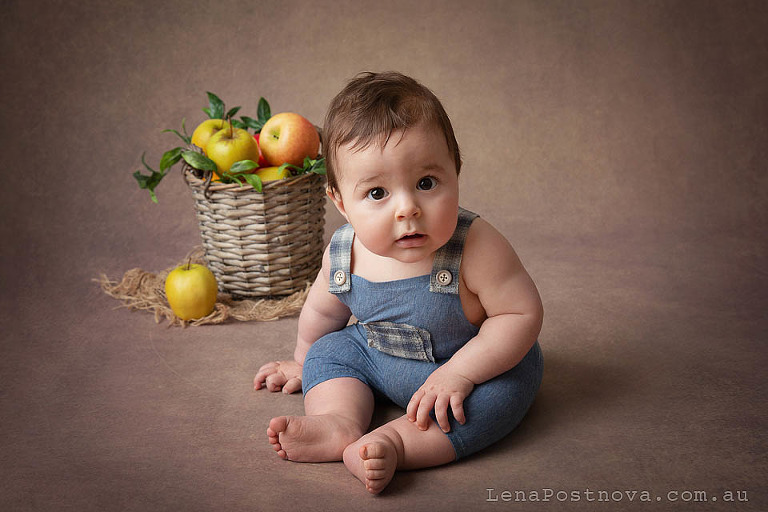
[[231, 145], [272, 173], [191, 291], [205, 131], [288, 137]]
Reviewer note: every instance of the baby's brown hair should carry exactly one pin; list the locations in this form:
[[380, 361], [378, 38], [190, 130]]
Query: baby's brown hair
[[374, 105]]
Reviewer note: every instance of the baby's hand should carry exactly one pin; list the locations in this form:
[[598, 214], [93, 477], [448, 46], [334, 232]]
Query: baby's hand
[[279, 375], [442, 389]]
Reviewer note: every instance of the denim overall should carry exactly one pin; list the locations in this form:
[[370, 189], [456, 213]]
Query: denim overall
[[408, 328]]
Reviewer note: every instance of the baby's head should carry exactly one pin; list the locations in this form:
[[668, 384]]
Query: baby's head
[[371, 108]]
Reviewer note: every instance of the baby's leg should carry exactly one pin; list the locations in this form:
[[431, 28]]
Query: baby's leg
[[338, 412], [398, 445]]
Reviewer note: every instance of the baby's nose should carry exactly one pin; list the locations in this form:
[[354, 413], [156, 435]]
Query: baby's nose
[[408, 208]]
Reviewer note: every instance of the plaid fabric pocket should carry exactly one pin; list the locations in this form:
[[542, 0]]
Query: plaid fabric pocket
[[400, 340]]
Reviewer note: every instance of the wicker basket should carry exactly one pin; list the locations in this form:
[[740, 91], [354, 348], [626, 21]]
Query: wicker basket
[[264, 244]]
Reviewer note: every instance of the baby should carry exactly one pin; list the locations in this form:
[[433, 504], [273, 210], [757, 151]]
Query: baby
[[447, 318]]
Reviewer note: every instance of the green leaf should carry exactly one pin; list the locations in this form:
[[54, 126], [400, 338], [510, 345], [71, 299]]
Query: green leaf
[[148, 182], [243, 166], [143, 161], [252, 123], [253, 180], [199, 161], [231, 112], [242, 179], [264, 112], [143, 180], [318, 167], [186, 138], [238, 124], [170, 158], [231, 177], [215, 108], [310, 165]]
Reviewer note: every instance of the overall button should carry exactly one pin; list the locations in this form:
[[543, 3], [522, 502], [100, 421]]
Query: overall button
[[444, 277], [340, 277]]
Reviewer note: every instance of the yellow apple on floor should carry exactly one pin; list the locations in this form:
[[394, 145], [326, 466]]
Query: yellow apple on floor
[[191, 291], [205, 131], [288, 137], [272, 173], [231, 145]]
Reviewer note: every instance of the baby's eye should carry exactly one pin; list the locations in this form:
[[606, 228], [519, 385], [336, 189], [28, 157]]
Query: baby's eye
[[377, 194], [427, 183]]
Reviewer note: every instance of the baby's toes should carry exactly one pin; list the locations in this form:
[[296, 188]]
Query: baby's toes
[[272, 436], [375, 486], [373, 454], [276, 426], [376, 474]]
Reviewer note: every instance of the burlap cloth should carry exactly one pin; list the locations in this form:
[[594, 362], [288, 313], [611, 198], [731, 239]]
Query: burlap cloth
[[142, 290]]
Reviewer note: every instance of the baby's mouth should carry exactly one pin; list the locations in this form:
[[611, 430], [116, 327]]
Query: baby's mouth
[[414, 236]]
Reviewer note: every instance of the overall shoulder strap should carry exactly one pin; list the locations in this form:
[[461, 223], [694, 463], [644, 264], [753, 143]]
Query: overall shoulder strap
[[341, 259], [445, 268]]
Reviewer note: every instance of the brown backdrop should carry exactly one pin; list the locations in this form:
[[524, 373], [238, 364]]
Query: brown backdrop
[[620, 145]]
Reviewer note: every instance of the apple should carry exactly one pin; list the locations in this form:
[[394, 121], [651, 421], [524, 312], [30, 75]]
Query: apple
[[191, 291], [262, 161], [272, 173], [231, 145], [205, 131], [288, 137]]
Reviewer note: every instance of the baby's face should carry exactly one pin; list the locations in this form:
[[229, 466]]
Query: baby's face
[[402, 199]]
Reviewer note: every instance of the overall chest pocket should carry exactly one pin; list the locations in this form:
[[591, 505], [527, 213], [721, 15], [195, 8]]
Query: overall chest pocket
[[400, 340]]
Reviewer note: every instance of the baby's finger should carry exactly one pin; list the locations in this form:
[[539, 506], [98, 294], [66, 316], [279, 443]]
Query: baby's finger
[[292, 385], [422, 413], [260, 379], [275, 382], [441, 413], [262, 375], [457, 406], [413, 405]]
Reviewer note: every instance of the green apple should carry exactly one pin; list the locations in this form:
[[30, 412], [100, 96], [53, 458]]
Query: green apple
[[191, 291], [205, 131], [231, 145], [288, 137]]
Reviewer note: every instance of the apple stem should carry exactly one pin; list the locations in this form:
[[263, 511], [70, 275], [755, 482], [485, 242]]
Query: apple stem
[[189, 263]]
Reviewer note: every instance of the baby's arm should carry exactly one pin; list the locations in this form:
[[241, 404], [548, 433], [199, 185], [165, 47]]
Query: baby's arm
[[492, 272], [321, 314]]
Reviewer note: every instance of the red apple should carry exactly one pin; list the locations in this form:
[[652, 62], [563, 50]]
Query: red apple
[[262, 161], [288, 137]]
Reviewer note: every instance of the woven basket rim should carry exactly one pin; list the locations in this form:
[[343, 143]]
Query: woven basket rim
[[195, 182]]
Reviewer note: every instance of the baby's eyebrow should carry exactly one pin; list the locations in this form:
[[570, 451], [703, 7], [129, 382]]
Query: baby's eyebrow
[[367, 181], [432, 167]]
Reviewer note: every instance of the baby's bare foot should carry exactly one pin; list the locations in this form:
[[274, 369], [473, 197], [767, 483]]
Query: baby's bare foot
[[373, 460], [312, 438]]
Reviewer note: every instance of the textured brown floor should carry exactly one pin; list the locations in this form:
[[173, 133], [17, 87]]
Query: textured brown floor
[[621, 147]]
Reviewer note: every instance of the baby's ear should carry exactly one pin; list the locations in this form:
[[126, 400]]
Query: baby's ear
[[335, 197]]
